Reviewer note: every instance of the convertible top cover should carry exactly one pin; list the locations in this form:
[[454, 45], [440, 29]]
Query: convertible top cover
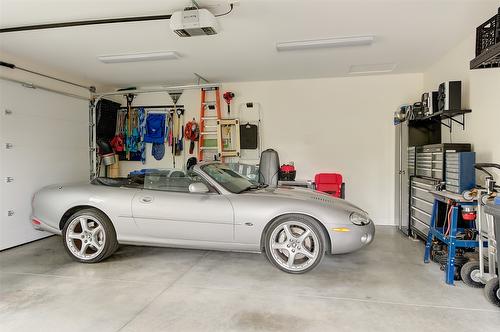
[[119, 182]]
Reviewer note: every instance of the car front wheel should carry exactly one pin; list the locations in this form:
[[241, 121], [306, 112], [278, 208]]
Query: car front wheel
[[89, 236], [295, 243]]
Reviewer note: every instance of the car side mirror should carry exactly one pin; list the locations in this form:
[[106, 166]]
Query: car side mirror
[[198, 188]]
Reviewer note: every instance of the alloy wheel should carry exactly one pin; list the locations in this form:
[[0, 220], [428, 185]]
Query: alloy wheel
[[85, 237], [294, 246]]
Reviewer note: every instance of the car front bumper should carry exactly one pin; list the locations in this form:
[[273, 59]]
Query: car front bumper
[[349, 238]]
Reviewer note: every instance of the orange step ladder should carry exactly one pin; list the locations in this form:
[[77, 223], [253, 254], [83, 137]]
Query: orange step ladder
[[210, 115]]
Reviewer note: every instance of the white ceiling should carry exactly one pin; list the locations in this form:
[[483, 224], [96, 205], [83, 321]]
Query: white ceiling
[[409, 33]]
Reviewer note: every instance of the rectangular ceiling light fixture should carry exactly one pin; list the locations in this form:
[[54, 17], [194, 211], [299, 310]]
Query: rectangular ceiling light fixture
[[325, 43], [378, 68], [137, 57]]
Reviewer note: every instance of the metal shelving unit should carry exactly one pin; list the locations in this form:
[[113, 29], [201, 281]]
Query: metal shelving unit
[[488, 59], [447, 115]]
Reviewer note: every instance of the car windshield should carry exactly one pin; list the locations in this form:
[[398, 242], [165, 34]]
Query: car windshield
[[228, 178]]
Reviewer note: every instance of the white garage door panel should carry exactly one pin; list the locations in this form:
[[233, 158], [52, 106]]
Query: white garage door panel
[[49, 133], [42, 103], [63, 133], [40, 167]]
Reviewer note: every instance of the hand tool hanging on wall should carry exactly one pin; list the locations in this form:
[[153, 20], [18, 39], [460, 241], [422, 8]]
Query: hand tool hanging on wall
[[130, 99], [174, 127], [181, 143], [176, 135], [228, 96], [170, 134], [179, 132]]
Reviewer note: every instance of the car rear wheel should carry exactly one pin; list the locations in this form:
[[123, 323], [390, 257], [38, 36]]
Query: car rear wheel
[[295, 243], [89, 236]]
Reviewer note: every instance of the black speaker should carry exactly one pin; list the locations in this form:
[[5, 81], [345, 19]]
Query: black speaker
[[450, 96], [418, 110], [430, 102]]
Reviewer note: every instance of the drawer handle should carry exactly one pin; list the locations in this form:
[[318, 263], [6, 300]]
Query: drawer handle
[[421, 200], [422, 189], [420, 185], [420, 221], [423, 212]]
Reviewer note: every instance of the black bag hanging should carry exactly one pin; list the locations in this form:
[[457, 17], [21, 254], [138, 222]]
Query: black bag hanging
[[106, 113], [249, 136]]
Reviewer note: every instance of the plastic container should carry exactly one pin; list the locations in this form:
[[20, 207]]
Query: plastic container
[[488, 34], [287, 172], [108, 159], [114, 169]]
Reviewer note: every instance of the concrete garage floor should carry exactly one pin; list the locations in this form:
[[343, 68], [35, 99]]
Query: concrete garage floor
[[385, 287]]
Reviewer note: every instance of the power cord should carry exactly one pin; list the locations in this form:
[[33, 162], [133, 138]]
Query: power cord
[[231, 6]]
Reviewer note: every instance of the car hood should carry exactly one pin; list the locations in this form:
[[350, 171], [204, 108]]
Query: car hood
[[304, 194]]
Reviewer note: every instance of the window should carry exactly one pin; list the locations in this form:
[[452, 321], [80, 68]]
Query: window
[[227, 178], [171, 180]]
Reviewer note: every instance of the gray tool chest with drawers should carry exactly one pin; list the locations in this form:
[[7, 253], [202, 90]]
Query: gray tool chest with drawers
[[437, 165], [460, 174]]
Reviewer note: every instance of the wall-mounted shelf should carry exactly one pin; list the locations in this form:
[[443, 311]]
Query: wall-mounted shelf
[[447, 115], [488, 59]]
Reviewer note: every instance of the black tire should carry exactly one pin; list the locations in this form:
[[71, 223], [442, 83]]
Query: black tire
[[441, 257], [314, 227], [115, 247], [112, 250], [469, 272], [110, 244], [491, 291]]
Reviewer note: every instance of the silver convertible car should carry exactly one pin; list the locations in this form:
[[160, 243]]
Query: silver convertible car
[[209, 207]]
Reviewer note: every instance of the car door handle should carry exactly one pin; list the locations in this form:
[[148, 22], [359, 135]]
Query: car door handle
[[146, 199]]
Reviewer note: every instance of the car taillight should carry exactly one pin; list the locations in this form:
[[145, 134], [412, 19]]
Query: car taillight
[[35, 221]]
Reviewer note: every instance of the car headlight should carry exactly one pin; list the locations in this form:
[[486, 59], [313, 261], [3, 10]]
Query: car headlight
[[359, 219]]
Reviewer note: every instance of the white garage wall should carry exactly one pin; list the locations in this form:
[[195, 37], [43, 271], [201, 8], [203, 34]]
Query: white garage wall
[[323, 125], [49, 133], [480, 93]]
